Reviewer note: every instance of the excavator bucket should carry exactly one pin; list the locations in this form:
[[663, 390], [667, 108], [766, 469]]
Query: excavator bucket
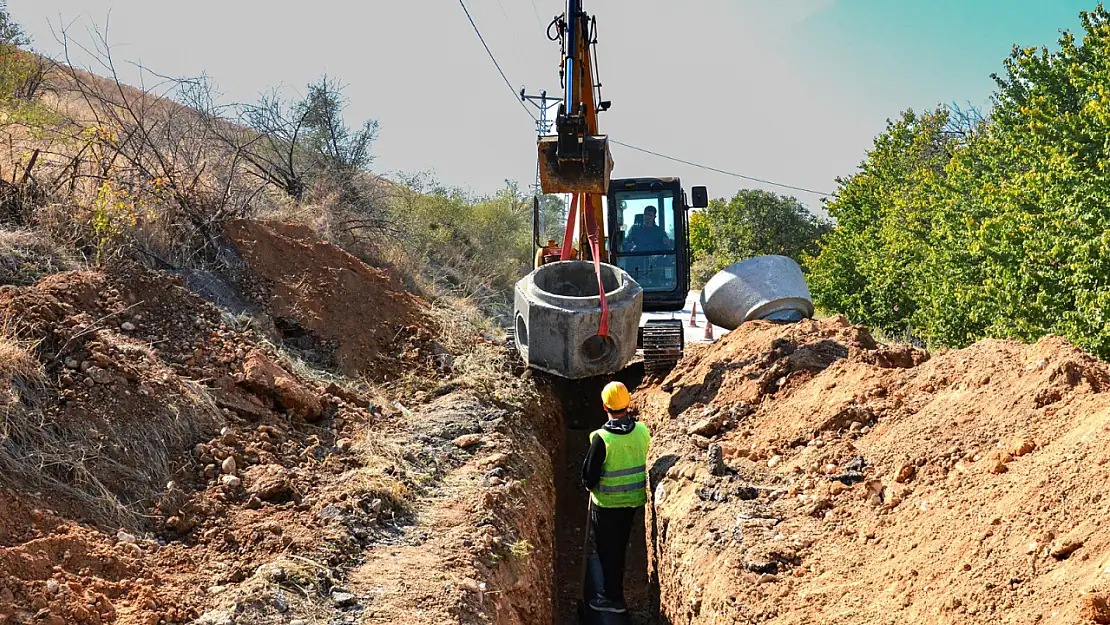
[[585, 170]]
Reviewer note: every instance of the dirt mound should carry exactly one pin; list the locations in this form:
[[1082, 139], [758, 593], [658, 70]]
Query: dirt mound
[[803, 473], [111, 346], [179, 438], [326, 301], [161, 463]]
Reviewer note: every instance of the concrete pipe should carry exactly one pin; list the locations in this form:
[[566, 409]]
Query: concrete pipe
[[763, 287], [558, 311]]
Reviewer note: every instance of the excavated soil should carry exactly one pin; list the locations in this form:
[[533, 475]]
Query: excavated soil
[[171, 463], [327, 302], [173, 466], [803, 473]]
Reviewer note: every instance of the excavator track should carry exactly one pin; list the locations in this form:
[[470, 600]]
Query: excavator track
[[662, 342]]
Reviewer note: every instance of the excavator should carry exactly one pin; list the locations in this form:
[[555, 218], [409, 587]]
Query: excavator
[[637, 225]]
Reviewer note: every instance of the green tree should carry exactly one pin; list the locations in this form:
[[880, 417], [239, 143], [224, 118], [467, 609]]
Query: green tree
[[756, 222], [553, 218], [331, 142], [874, 262], [23, 73], [293, 143], [997, 227], [701, 233], [475, 247], [752, 223]]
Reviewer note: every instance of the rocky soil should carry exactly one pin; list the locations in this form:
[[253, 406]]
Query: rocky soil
[[324, 461], [803, 473], [338, 451]]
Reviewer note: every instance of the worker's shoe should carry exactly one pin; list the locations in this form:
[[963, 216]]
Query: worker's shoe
[[601, 604]]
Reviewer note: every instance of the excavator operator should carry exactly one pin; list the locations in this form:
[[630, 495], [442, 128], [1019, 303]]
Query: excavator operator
[[648, 237]]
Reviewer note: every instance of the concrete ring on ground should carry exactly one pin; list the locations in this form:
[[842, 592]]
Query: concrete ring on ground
[[763, 287]]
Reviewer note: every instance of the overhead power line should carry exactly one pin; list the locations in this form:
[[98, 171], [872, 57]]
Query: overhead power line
[[620, 143], [494, 59], [720, 171]]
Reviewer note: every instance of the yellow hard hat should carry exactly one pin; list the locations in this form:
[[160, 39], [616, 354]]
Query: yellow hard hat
[[615, 396]]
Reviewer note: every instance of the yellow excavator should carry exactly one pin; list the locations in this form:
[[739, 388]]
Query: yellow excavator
[[639, 225]]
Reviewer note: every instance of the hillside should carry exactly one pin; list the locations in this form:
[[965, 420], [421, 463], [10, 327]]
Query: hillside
[[166, 462]]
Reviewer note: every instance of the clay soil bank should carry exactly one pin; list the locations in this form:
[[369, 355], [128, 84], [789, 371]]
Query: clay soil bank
[[803, 473], [340, 453]]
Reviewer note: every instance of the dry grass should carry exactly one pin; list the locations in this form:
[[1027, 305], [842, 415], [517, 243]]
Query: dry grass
[[481, 362], [82, 462], [291, 578], [21, 374], [376, 477], [26, 256]]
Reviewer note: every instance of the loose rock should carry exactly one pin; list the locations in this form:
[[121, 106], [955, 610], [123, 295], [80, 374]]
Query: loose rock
[[1021, 446], [467, 441], [905, 473], [342, 599], [709, 426], [717, 460], [1095, 608]]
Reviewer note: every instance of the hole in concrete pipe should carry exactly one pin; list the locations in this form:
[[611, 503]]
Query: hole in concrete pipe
[[576, 279], [597, 348], [521, 331]]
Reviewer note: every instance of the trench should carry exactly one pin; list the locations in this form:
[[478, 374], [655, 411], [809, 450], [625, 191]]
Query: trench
[[582, 413]]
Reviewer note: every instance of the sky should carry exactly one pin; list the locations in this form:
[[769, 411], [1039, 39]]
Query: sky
[[790, 91]]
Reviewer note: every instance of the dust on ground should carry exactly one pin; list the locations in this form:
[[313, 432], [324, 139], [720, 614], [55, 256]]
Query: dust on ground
[[804, 473]]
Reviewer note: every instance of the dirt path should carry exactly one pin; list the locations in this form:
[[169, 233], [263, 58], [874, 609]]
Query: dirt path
[[480, 548]]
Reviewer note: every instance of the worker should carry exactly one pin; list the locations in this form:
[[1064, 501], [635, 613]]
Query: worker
[[615, 473], [647, 237]]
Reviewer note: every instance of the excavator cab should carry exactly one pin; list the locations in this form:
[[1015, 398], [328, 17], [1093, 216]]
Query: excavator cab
[[649, 237]]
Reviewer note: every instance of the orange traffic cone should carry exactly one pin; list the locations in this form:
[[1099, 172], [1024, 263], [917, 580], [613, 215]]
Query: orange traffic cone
[[694, 316], [708, 331]]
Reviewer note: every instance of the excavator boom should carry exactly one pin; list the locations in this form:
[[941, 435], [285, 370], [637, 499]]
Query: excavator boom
[[583, 315], [576, 159]]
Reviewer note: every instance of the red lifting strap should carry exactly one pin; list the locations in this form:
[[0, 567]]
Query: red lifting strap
[[568, 236], [591, 232]]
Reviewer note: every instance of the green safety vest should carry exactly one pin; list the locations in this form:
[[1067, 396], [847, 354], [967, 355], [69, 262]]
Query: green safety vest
[[624, 477]]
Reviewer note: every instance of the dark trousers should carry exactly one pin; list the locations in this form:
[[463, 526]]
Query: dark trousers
[[612, 528]]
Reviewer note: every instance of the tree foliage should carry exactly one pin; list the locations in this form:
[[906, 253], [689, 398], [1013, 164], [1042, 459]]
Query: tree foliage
[[474, 247], [552, 218], [23, 73], [995, 228], [291, 143], [752, 223]]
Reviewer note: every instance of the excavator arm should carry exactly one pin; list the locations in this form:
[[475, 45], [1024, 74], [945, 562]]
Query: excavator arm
[[576, 159]]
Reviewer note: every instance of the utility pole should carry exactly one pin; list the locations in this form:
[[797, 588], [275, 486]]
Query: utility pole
[[543, 123], [543, 128]]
